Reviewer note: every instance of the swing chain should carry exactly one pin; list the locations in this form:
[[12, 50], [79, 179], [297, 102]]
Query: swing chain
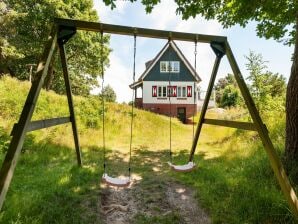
[[169, 94], [194, 96], [102, 101], [132, 104]]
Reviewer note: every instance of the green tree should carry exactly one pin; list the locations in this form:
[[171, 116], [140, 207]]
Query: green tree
[[277, 83], [276, 19], [32, 25], [265, 86], [256, 66], [230, 97], [8, 52], [108, 94], [221, 84]]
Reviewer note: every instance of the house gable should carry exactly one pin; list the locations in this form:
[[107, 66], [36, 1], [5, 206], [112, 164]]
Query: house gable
[[169, 55]]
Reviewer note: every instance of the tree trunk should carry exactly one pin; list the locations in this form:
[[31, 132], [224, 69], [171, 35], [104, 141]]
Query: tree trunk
[[4, 67], [7, 70], [291, 151], [50, 77], [51, 72], [11, 72]]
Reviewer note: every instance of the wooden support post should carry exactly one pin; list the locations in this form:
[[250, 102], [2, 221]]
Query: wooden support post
[[16, 144], [70, 100], [275, 162], [204, 107]]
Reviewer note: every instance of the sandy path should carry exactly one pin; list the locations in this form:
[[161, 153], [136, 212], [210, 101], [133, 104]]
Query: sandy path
[[159, 197]]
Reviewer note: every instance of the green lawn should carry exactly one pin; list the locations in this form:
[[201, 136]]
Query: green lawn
[[233, 180]]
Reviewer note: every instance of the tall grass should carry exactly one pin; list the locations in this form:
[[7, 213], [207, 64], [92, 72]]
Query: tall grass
[[233, 180]]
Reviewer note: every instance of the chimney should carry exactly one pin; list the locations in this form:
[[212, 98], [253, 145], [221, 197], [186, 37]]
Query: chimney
[[148, 63]]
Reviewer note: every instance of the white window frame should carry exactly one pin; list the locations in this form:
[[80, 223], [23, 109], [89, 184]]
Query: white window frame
[[170, 91], [164, 93], [159, 91], [170, 66], [184, 91], [179, 91], [175, 66], [164, 65]]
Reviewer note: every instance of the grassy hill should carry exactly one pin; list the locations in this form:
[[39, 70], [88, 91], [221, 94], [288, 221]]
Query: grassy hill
[[233, 181]]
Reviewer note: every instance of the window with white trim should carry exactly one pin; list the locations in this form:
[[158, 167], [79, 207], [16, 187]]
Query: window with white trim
[[179, 91], [170, 91], [164, 91], [170, 66], [164, 66], [175, 66], [159, 91], [183, 91]]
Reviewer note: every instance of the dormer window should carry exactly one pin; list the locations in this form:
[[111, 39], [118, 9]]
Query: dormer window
[[170, 66]]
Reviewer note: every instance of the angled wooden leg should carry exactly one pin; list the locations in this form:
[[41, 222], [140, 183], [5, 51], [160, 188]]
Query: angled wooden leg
[[205, 107], [16, 144], [70, 101], [275, 162]]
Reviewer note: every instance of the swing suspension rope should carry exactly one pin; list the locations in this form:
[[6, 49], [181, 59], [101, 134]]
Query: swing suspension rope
[[133, 99], [169, 93], [190, 165], [110, 180], [103, 103], [194, 96]]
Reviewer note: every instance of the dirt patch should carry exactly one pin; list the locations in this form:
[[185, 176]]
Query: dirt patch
[[183, 199], [155, 199], [117, 205]]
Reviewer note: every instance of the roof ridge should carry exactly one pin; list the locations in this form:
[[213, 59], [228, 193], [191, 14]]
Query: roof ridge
[[159, 54]]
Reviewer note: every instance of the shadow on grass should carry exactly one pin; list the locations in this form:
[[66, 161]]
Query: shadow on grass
[[238, 189], [48, 186]]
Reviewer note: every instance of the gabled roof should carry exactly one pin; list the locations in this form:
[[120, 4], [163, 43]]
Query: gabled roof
[[150, 64]]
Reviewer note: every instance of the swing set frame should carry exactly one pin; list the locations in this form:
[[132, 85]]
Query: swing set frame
[[64, 29]]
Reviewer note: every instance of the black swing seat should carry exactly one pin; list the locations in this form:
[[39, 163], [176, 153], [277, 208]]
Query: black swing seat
[[183, 168], [116, 182]]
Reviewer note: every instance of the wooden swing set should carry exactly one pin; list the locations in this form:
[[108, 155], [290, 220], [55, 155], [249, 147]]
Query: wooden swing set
[[64, 29]]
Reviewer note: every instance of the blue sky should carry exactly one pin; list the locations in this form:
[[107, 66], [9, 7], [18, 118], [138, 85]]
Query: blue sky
[[163, 16]]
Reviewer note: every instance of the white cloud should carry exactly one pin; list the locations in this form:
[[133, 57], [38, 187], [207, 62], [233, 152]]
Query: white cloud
[[106, 14], [163, 16], [118, 76]]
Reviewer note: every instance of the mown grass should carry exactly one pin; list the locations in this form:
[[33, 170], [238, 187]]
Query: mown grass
[[233, 180]]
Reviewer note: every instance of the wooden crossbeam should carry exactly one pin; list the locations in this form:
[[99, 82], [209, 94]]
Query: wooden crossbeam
[[232, 124], [141, 32], [36, 125]]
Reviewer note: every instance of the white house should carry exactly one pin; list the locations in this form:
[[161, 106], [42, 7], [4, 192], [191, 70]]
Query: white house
[[169, 84]]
